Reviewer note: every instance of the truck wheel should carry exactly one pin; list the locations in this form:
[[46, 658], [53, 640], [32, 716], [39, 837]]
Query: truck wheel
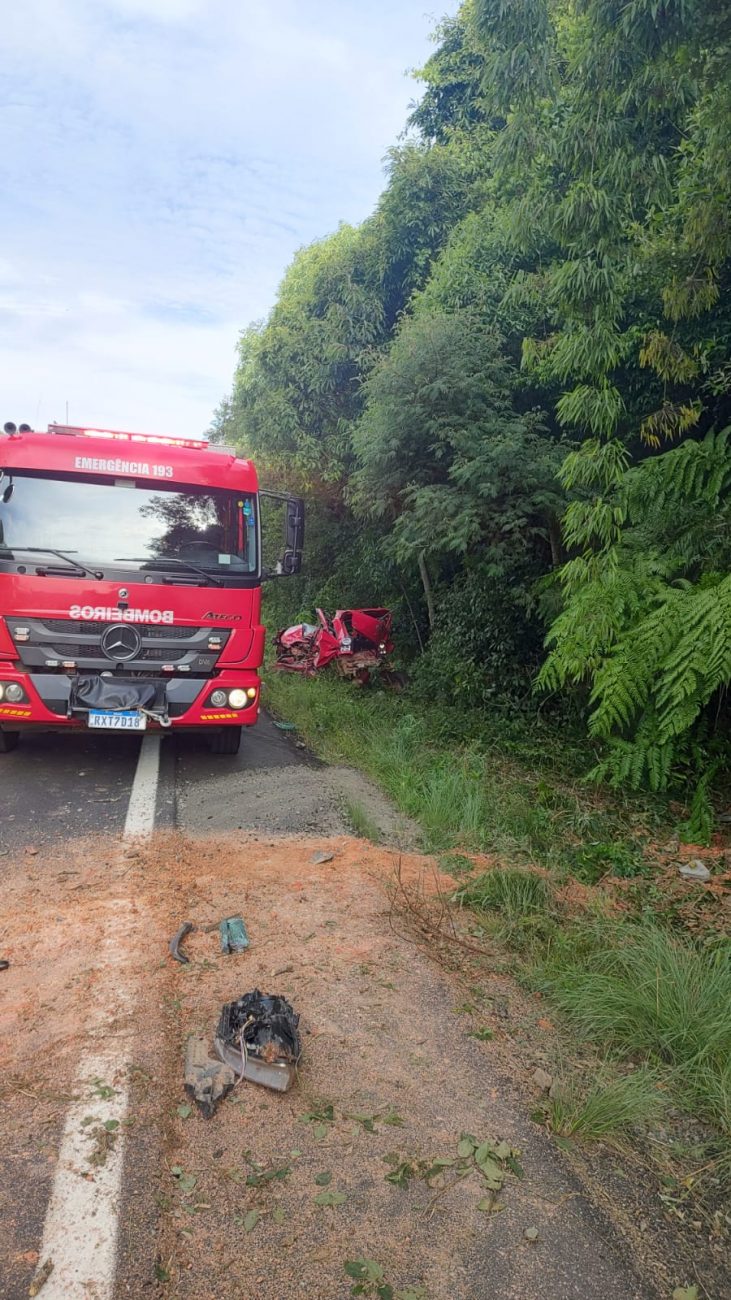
[[8, 741], [226, 741]]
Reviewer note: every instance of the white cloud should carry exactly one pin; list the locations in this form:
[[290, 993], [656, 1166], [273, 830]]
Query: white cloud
[[163, 159]]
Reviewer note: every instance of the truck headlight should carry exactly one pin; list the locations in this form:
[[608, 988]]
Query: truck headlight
[[238, 699], [218, 699], [251, 692], [13, 693]]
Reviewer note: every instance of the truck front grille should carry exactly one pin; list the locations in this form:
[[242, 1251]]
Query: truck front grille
[[48, 643]]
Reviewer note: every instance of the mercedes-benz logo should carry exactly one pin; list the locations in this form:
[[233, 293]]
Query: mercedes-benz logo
[[121, 642]]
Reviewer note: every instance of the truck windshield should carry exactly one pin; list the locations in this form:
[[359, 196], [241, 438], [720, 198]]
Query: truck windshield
[[119, 525]]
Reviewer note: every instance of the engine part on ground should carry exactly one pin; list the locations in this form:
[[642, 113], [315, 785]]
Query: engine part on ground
[[257, 1036], [233, 935], [176, 941], [207, 1080], [355, 641]]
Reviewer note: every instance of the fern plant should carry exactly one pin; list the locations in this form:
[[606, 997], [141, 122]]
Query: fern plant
[[647, 622]]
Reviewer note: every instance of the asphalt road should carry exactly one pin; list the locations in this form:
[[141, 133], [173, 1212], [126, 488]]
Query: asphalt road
[[57, 787]]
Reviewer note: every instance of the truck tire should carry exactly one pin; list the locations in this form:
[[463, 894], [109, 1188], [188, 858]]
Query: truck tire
[[8, 741], [226, 741]]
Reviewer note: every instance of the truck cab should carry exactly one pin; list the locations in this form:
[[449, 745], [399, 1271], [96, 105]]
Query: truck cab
[[130, 584]]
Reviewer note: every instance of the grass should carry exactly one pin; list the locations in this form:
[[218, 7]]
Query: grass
[[648, 993], [361, 822], [499, 787], [608, 1110], [513, 892], [629, 984]]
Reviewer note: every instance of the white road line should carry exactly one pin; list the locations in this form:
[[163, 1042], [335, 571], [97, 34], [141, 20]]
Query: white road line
[[81, 1228], [140, 821], [82, 1225]]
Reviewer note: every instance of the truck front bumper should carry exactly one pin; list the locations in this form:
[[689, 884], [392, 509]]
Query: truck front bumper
[[46, 706]]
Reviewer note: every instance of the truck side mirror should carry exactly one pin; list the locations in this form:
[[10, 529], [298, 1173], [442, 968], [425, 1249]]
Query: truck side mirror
[[295, 528], [290, 562]]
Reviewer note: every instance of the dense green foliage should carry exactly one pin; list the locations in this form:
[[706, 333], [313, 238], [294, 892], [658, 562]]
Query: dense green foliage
[[507, 394]]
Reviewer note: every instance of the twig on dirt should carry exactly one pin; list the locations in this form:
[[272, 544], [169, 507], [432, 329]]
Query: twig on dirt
[[431, 1207], [700, 1282], [432, 931]]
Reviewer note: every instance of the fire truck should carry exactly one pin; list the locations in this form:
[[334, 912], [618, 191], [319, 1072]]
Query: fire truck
[[130, 584]]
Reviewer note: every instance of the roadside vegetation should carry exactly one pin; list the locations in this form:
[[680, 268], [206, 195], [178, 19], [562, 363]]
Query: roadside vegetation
[[581, 889], [506, 395]]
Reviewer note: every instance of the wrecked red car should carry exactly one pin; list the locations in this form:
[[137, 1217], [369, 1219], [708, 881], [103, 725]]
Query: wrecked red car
[[355, 641]]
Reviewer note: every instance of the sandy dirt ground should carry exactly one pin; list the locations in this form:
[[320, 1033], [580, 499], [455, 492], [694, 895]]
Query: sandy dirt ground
[[228, 1207]]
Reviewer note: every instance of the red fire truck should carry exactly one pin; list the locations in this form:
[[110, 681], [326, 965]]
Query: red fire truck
[[130, 584]]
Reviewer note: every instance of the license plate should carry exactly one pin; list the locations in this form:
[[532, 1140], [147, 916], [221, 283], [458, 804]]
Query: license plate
[[109, 721]]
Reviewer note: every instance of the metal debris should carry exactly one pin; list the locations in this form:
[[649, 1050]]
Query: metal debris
[[233, 934], [176, 941], [258, 1037], [207, 1080]]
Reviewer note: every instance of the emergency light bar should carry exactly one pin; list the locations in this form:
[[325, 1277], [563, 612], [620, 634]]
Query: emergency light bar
[[118, 435]]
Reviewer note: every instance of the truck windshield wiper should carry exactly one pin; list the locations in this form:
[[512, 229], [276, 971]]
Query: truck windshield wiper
[[47, 550], [164, 560]]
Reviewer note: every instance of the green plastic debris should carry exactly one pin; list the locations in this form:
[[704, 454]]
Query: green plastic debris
[[233, 934]]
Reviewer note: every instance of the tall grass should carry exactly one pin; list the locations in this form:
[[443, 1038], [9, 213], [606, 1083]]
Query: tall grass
[[463, 792], [608, 1109], [647, 992]]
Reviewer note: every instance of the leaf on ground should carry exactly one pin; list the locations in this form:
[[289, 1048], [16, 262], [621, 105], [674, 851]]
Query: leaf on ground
[[176, 1170], [402, 1174], [320, 1131], [482, 1035], [364, 1270], [250, 1220], [279, 1215], [187, 1182], [531, 1234], [685, 1293], [392, 1118], [324, 1178], [41, 1277], [465, 1148], [330, 1198], [185, 1111], [111, 1124], [492, 1174], [489, 1205]]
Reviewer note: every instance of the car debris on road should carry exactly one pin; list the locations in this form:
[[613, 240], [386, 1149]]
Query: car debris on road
[[234, 937], [207, 1080], [258, 1037], [174, 945]]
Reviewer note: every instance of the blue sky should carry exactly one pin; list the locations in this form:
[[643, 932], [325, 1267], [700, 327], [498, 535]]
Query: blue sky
[[162, 161]]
